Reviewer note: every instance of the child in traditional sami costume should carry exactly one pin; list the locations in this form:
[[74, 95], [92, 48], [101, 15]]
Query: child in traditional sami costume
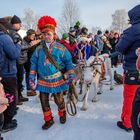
[[49, 78]]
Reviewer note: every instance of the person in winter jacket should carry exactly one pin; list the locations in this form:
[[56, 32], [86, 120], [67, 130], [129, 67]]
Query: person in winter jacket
[[127, 46], [98, 40], [49, 77], [73, 42], [93, 49], [66, 43], [9, 51], [13, 32], [29, 44]]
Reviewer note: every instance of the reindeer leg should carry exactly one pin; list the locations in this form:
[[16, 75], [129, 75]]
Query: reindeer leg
[[100, 91], [81, 87], [110, 72], [85, 102], [96, 85]]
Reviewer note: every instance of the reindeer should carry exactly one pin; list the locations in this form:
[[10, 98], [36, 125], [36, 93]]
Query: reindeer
[[90, 72]]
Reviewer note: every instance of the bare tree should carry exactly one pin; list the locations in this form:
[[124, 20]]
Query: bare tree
[[120, 20], [70, 15], [30, 19]]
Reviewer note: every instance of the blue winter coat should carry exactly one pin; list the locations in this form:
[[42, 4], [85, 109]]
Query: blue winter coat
[[10, 53], [99, 43], [130, 40]]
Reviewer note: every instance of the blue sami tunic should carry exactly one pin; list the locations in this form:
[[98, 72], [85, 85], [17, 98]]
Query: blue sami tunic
[[41, 67]]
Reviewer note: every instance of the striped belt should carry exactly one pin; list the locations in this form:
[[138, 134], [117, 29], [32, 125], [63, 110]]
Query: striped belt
[[52, 76]]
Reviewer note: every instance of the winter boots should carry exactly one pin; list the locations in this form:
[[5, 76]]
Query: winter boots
[[9, 126], [31, 93], [120, 125], [48, 124], [1, 138], [62, 115]]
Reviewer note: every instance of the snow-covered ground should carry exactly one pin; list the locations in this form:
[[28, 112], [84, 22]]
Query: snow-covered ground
[[97, 123]]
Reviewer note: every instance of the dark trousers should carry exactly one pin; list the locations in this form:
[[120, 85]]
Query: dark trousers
[[20, 76], [58, 98], [1, 123], [10, 86], [1, 120], [27, 70], [135, 120]]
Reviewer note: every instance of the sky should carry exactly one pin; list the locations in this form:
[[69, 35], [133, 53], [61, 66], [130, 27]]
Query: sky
[[95, 13]]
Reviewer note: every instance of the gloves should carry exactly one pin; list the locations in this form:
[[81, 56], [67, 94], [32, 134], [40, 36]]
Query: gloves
[[9, 97], [32, 83]]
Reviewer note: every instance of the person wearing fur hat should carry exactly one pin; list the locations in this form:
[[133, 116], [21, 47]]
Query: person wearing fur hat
[[49, 78]]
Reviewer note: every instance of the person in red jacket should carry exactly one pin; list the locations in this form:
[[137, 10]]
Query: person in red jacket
[[66, 43]]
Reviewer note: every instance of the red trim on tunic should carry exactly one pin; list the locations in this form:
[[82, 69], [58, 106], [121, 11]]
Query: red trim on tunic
[[51, 84], [33, 72], [71, 71]]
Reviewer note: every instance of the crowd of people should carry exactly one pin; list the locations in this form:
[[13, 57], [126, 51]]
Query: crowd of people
[[43, 57]]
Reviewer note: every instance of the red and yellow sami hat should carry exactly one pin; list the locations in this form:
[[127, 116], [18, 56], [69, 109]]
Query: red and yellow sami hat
[[46, 23]]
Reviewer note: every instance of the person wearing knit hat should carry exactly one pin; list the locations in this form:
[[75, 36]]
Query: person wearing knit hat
[[65, 36], [16, 23], [49, 78], [66, 43], [17, 39], [15, 19]]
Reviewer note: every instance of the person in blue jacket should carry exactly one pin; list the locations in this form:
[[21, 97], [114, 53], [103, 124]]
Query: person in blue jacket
[[127, 46], [9, 52], [49, 79]]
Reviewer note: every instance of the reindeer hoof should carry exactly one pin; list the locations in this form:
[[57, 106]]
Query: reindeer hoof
[[95, 100], [111, 88], [99, 93], [84, 108]]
